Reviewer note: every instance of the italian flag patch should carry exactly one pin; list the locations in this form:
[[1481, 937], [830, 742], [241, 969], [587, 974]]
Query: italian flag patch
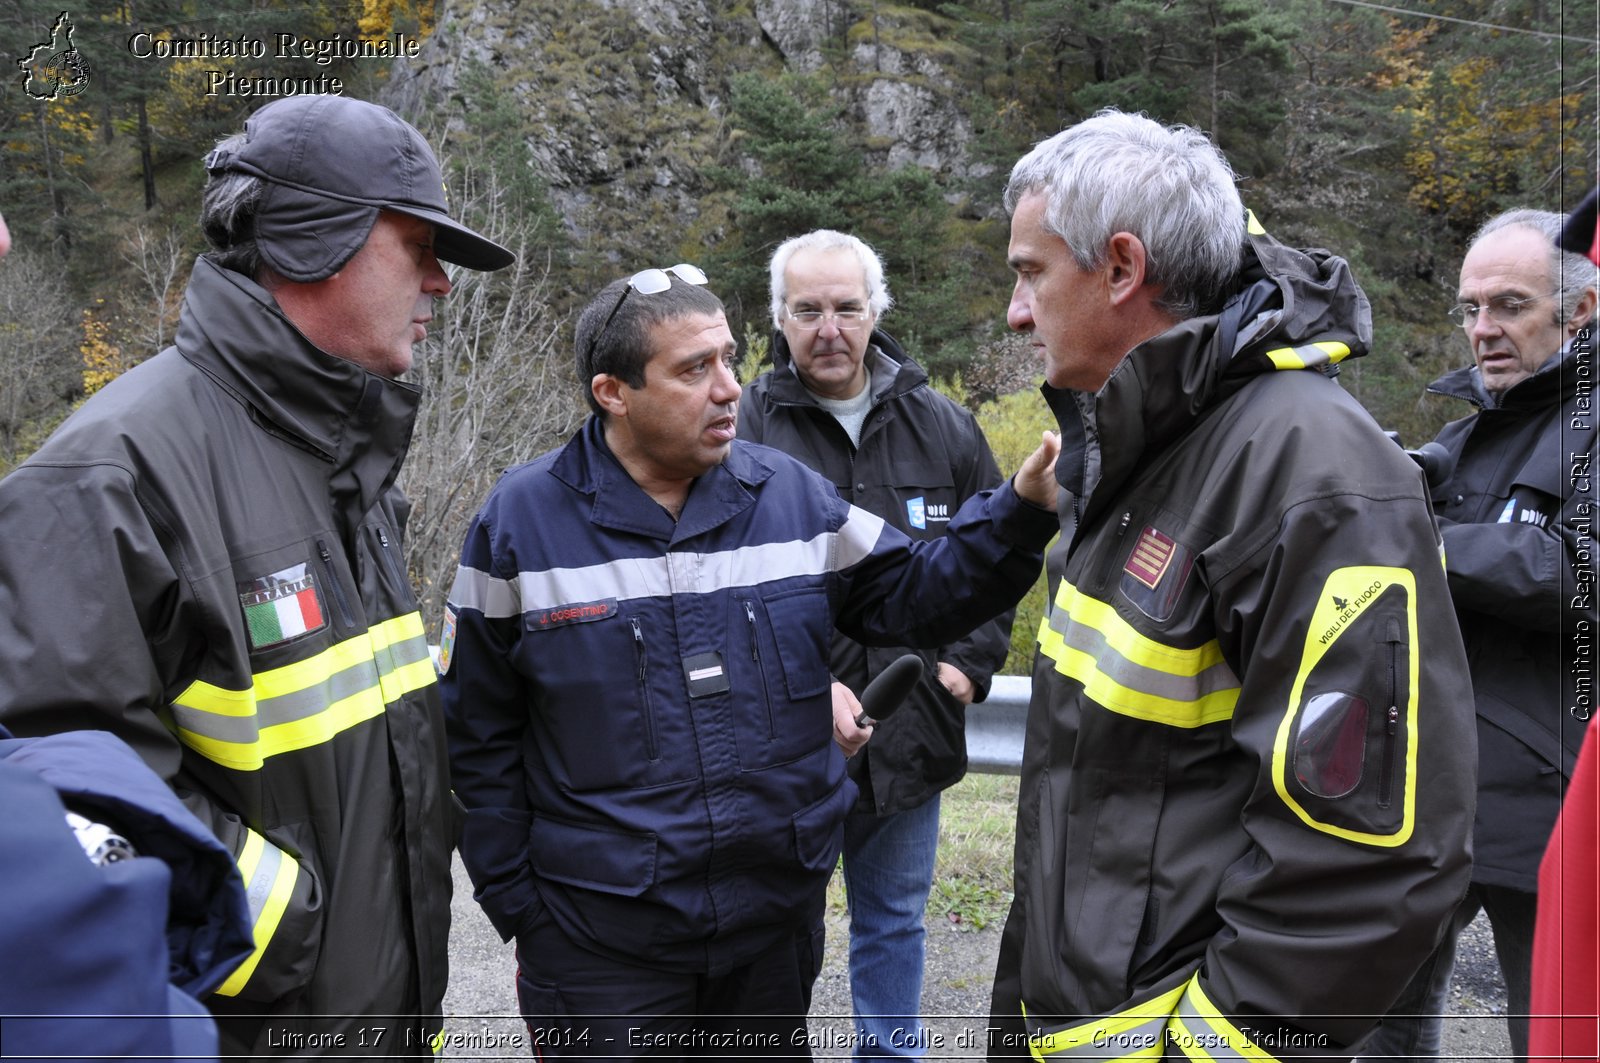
[[281, 607]]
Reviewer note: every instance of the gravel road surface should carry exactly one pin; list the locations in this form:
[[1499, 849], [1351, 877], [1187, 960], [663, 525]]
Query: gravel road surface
[[482, 1000]]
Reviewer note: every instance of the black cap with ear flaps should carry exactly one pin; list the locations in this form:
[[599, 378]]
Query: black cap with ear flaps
[[331, 163]]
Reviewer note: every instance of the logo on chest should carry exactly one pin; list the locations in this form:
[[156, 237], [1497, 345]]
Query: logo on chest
[[281, 607], [921, 513], [1155, 573], [1522, 514]]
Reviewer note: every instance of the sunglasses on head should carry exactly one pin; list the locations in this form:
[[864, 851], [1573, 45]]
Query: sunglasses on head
[[647, 282]]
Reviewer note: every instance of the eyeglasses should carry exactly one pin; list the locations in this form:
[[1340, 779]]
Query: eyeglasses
[[843, 320], [1502, 308], [647, 282]]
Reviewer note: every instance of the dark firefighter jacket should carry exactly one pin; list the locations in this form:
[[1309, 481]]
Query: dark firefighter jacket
[[1249, 763], [640, 710], [1517, 516], [205, 561], [124, 947], [920, 457]]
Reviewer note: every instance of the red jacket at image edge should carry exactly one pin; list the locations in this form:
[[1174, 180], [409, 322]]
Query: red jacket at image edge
[[1565, 1023]]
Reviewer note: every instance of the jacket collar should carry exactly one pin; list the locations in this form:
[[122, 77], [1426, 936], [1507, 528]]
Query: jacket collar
[[894, 373], [587, 465], [1290, 309], [1552, 383], [232, 330]]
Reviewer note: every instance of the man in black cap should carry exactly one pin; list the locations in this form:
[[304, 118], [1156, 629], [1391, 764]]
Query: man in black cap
[[205, 560]]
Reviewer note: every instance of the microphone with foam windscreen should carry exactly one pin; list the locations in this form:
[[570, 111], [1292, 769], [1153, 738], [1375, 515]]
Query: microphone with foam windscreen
[[886, 692]]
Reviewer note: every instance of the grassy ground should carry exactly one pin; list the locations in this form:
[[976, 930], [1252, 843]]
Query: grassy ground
[[972, 873]]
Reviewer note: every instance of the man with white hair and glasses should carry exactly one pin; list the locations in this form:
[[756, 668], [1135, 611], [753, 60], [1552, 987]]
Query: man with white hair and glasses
[[642, 723], [1517, 518], [845, 398], [1249, 748]]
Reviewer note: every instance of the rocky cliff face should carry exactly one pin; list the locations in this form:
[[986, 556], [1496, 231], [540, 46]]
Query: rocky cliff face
[[625, 100]]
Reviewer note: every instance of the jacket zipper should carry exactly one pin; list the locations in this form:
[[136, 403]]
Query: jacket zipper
[[1391, 723], [401, 583], [761, 666], [644, 691], [333, 581]]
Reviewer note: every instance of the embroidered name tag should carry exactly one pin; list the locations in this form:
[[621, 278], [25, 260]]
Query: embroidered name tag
[[571, 613]]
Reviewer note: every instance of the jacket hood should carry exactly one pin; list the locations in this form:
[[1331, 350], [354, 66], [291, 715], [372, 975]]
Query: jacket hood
[[894, 373], [1290, 310], [231, 329]]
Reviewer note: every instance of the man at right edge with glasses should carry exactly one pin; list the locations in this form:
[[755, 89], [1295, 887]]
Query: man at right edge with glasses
[[642, 723], [1516, 515]]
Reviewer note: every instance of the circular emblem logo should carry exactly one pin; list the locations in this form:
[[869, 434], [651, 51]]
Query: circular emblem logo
[[66, 73]]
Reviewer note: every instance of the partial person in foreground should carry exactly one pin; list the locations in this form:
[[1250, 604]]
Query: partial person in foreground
[[845, 398], [206, 560], [642, 723], [1247, 762], [117, 907]]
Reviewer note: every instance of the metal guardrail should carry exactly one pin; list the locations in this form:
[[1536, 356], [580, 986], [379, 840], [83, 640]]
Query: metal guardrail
[[996, 725]]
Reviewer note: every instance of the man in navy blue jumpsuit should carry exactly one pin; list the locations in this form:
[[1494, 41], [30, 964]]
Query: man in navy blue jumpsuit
[[642, 723]]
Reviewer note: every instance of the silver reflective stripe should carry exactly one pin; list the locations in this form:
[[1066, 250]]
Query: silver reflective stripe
[[676, 572], [474, 589], [409, 651], [859, 535], [1144, 1041], [259, 888], [1200, 1038], [359, 677], [285, 708], [1137, 677]]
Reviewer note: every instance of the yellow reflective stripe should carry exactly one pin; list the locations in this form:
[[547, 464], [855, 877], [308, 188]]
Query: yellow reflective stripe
[[1356, 587], [1204, 1033], [1252, 225], [406, 678], [292, 678], [269, 883], [1326, 352], [1131, 674], [308, 702], [1137, 1033], [437, 1044]]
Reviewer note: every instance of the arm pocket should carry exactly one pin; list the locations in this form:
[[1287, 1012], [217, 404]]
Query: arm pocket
[[1345, 756]]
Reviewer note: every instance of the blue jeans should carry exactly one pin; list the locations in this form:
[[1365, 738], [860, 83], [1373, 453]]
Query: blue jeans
[[1414, 1027], [888, 870]]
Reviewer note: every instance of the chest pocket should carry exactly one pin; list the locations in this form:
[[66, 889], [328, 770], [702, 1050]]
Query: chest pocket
[[920, 499], [610, 712], [1486, 489], [778, 665], [299, 670]]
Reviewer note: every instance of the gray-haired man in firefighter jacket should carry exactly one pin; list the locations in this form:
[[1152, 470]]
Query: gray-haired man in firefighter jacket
[[1248, 773], [205, 560]]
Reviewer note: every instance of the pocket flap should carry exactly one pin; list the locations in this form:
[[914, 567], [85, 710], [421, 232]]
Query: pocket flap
[[819, 828], [596, 858]]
